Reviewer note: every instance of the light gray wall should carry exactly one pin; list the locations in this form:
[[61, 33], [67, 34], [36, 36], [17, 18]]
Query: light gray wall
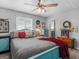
[[11, 16], [73, 17]]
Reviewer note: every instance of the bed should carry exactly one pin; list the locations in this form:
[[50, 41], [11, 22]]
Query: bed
[[33, 49]]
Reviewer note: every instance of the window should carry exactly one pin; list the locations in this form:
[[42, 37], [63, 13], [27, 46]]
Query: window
[[23, 23], [52, 25]]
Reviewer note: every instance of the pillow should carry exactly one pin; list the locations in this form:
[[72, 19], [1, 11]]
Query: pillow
[[11, 34], [21, 34], [30, 34], [15, 34], [27, 34]]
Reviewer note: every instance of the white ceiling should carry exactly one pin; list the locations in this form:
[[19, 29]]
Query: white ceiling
[[18, 5]]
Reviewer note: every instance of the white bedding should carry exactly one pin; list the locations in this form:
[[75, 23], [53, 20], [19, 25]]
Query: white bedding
[[24, 48]]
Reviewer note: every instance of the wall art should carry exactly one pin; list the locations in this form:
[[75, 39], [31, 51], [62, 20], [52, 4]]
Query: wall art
[[4, 26]]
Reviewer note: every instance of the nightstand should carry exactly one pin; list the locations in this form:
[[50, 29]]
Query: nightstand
[[4, 44]]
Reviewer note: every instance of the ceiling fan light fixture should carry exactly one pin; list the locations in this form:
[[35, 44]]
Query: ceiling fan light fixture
[[41, 10], [42, 6]]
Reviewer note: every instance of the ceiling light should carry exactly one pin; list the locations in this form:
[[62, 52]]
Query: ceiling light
[[42, 5], [41, 10]]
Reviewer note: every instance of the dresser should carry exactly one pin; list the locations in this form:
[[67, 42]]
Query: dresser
[[4, 44]]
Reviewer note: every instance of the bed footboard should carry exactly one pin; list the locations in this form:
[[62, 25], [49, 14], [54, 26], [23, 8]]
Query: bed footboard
[[52, 53]]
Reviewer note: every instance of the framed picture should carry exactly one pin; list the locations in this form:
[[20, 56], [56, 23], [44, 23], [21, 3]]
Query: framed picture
[[4, 26]]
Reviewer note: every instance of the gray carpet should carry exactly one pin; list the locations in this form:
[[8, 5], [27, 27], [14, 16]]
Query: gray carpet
[[74, 54], [5, 57]]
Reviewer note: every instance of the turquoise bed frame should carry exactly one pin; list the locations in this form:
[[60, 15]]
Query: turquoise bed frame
[[52, 53]]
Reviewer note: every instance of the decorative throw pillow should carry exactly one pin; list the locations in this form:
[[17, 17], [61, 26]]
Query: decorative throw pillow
[[21, 34], [27, 35], [11, 34], [30, 34], [15, 34]]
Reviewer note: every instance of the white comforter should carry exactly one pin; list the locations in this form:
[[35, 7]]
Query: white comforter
[[24, 48]]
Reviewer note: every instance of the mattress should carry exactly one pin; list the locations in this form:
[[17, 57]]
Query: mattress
[[25, 48]]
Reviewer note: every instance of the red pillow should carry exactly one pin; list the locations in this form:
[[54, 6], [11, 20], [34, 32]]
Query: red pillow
[[21, 34]]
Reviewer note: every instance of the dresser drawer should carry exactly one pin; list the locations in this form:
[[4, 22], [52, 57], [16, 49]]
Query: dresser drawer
[[4, 44]]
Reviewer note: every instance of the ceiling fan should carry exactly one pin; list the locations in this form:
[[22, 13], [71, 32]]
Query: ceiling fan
[[41, 6]]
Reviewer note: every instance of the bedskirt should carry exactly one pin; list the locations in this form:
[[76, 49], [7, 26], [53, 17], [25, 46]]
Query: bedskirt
[[52, 53]]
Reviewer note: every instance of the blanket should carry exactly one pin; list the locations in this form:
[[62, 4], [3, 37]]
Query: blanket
[[25, 48], [64, 53]]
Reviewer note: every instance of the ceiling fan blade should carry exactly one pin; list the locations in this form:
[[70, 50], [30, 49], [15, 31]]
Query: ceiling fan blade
[[39, 1], [42, 1], [51, 5], [29, 4], [34, 9]]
